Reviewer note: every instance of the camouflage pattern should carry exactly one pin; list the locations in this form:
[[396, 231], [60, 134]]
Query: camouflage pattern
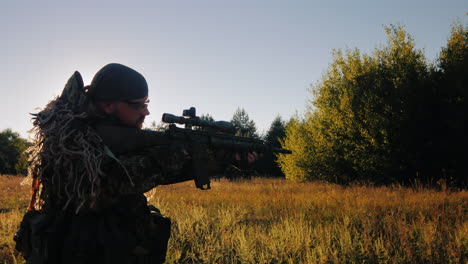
[[139, 171]]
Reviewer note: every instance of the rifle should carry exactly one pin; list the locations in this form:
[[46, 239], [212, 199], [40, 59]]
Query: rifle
[[214, 135], [201, 134]]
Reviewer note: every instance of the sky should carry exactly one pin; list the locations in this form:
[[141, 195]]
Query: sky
[[216, 55]]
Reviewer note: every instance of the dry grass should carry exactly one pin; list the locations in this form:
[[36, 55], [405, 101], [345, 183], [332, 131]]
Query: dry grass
[[273, 221], [14, 199], [12, 193]]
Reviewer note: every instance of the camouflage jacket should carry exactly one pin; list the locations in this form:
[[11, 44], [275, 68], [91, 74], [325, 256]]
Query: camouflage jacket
[[136, 162]]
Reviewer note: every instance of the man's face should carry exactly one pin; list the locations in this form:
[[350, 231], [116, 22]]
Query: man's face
[[131, 113]]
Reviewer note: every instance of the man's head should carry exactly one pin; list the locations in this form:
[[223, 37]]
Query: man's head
[[122, 92]]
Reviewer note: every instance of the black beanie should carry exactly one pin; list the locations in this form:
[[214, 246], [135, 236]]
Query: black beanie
[[117, 82]]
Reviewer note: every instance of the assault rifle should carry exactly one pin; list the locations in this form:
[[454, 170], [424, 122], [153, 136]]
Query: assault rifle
[[200, 134], [214, 135]]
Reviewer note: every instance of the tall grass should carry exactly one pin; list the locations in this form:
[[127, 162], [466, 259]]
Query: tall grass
[[14, 199], [274, 221]]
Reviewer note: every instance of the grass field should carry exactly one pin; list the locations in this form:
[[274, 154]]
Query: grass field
[[274, 221]]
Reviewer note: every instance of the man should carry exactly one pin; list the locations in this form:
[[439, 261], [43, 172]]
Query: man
[[90, 170]]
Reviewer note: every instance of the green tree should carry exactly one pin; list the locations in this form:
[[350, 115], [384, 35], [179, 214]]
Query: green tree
[[367, 117], [276, 132], [451, 80], [158, 126], [207, 117], [268, 164], [245, 127], [21, 166], [296, 166], [11, 148]]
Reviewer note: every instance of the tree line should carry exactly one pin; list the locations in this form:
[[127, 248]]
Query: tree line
[[391, 116]]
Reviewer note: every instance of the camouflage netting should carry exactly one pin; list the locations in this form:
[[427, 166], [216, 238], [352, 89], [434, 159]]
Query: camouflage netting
[[67, 155]]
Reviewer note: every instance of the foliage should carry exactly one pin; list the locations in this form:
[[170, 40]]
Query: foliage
[[12, 147], [268, 164], [245, 127], [160, 126], [207, 117], [276, 132], [375, 117], [21, 166], [451, 85], [296, 166]]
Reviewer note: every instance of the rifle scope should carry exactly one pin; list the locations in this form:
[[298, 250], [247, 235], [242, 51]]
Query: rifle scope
[[221, 126]]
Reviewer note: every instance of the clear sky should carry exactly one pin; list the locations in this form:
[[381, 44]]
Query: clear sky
[[216, 55]]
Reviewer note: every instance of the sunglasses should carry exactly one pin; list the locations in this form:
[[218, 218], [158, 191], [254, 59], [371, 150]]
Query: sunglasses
[[139, 106]]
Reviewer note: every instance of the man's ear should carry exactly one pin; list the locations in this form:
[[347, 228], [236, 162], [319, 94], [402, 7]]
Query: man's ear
[[106, 107]]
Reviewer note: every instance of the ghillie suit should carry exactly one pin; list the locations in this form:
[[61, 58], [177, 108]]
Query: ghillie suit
[[67, 153], [85, 206]]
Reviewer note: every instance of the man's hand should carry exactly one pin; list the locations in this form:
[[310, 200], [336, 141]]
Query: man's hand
[[251, 157]]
